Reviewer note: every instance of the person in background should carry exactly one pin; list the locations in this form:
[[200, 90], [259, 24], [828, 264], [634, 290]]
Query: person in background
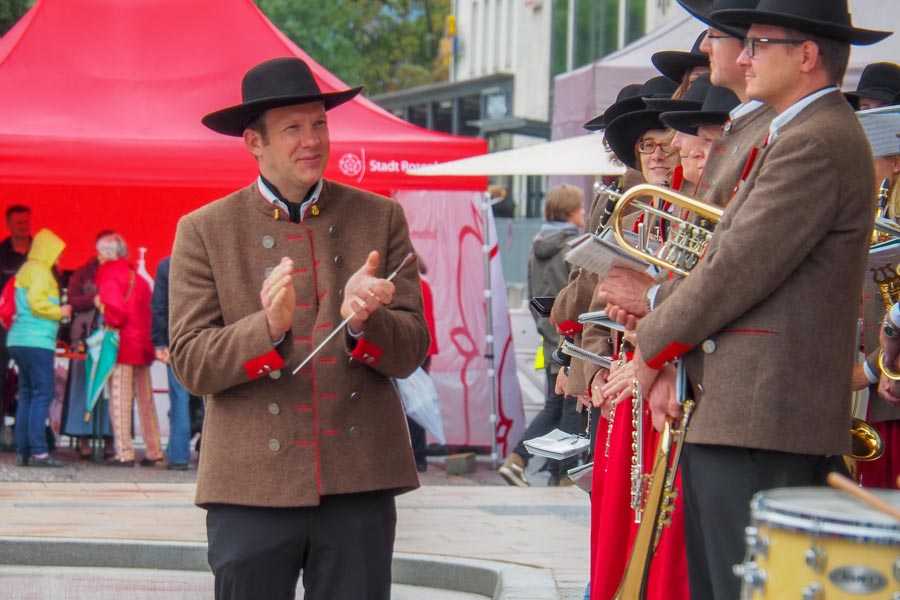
[[82, 291], [879, 85], [548, 273], [32, 343], [178, 452], [13, 252], [123, 298]]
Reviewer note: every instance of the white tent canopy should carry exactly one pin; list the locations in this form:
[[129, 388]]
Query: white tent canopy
[[582, 155]]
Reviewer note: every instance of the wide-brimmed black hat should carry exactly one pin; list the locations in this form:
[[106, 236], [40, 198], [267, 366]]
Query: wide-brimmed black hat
[[717, 105], [274, 83], [701, 9], [674, 64], [879, 81], [825, 18], [625, 130], [631, 98], [692, 100]]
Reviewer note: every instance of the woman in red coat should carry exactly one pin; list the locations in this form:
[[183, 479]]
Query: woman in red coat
[[124, 299]]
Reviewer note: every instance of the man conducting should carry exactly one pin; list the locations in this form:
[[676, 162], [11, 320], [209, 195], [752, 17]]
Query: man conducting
[[298, 472], [768, 317]]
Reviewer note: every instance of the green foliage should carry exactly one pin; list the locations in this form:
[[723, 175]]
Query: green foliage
[[11, 11], [385, 45]]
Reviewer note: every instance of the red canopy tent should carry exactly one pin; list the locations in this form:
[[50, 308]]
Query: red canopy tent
[[102, 102]]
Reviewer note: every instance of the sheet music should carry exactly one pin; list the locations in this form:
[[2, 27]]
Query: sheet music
[[600, 253]]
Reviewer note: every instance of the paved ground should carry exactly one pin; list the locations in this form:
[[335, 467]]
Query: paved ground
[[543, 527], [473, 516]]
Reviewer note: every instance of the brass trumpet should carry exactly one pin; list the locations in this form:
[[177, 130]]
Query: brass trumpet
[[687, 240]]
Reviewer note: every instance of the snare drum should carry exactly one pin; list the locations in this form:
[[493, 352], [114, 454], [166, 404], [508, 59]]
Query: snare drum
[[820, 544]]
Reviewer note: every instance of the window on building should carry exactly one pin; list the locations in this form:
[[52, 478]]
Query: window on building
[[596, 30], [469, 110], [418, 115], [443, 116]]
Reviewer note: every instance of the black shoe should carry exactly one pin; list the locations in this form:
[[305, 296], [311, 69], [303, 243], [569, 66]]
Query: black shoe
[[119, 463], [47, 461], [21, 460], [421, 465], [149, 462], [178, 466]]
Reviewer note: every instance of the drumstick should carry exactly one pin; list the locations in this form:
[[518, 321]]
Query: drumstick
[[406, 260], [838, 481]]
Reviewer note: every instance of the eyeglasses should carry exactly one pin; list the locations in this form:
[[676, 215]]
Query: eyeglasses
[[650, 146], [751, 44], [715, 36]]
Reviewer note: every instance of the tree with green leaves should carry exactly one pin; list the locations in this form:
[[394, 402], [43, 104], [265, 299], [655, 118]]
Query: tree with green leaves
[[11, 11], [385, 45]]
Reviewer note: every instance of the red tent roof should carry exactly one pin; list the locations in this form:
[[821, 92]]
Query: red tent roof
[[102, 102]]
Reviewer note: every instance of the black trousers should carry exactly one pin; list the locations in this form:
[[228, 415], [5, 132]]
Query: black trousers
[[558, 412], [718, 483], [343, 548]]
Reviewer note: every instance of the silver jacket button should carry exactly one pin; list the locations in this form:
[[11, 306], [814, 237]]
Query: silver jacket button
[[708, 346], [355, 396], [274, 408], [268, 242], [276, 374], [274, 445], [353, 431], [332, 231], [338, 260]]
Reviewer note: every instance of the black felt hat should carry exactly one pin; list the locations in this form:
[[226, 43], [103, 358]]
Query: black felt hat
[[825, 18], [717, 105], [675, 64], [879, 81], [692, 100], [274, 83], [631, 98], [701, 9], [625, 130]]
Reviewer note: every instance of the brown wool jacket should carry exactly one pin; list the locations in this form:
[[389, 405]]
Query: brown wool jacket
[[768, 318], [270, 438]]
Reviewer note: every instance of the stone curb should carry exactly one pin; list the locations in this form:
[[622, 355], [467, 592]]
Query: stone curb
[[492, 579]]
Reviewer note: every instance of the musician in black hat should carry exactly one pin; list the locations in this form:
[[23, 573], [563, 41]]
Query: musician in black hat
[[879, 85], [298, 472], [778, 288]]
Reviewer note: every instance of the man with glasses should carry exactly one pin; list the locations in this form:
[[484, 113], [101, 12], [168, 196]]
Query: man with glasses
[[768, 317]]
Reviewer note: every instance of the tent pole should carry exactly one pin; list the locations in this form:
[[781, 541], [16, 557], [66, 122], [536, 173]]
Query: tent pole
[[489, 353]]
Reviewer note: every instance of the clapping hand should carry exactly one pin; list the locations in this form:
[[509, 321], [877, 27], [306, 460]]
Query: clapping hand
[[365, 293], [278, 299]]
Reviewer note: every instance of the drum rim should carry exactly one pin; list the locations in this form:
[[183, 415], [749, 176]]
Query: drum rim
[[818, 525]]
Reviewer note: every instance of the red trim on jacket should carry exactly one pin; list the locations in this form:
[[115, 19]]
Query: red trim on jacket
[[668, 354], [569, 328], [366, 352], [263, 364]]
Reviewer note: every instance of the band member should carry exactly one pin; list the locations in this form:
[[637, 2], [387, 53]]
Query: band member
[[882, 127], [298, 473], [878, 86], [640, 140], [575, 298], [698, 130], [777, 293]]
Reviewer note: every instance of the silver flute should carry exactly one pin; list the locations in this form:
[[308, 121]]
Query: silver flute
[[637, 451]]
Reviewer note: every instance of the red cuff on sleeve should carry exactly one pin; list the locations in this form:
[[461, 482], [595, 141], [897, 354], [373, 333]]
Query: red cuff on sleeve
[[263, 365], [569, 328], [668, 354], [366, 352]]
